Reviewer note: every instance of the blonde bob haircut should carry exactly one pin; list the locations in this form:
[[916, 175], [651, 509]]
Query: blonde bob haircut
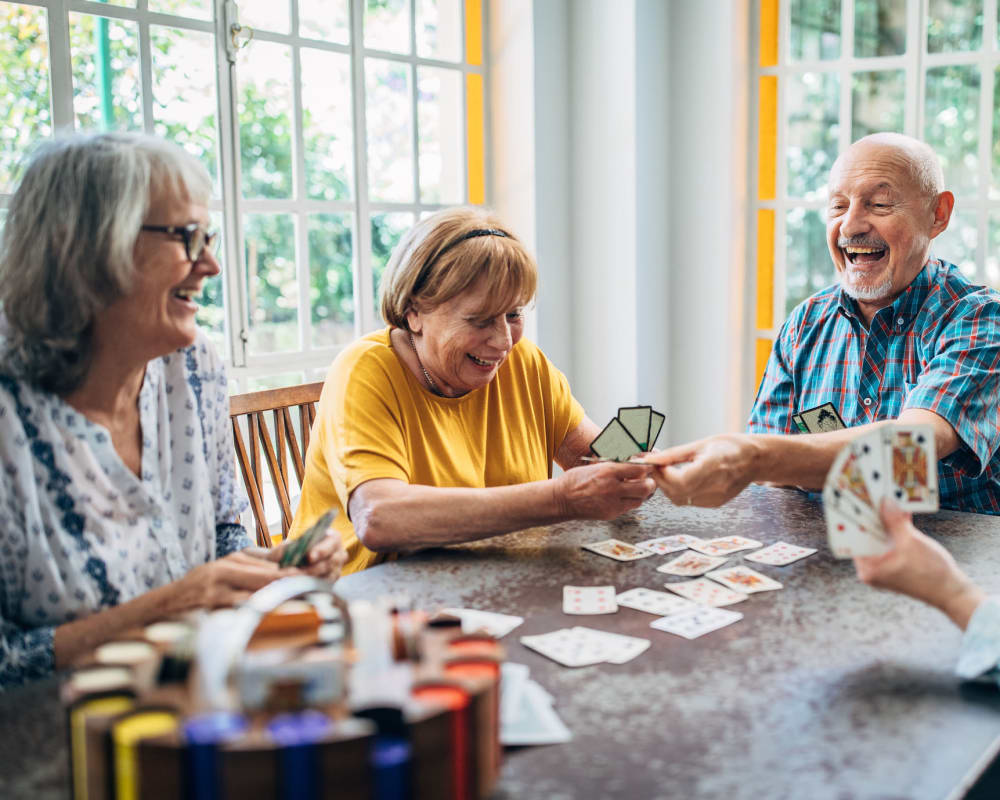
[[434, 263]]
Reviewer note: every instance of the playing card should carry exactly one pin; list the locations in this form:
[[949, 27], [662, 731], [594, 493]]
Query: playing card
[[849, 538], [615, 442], [910, 455], [296, 552], [724, 545], [849, 505], [652, 601], [618, 550], [870, 458], [496, 625], [744, 579], [618, 649], [697, 621], [668, 544], [691, 564], [589, 600], [799, 424], [636, 420], [845, 476], [655, 426], [822, 419], [780, 554], [567, 647], [706, 592]]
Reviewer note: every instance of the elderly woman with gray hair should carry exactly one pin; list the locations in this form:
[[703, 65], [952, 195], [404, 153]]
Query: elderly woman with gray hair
[[119, 503]]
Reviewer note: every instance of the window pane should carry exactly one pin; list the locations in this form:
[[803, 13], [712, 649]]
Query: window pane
[[439, 29], [390, 144], [211, 315], [992, 276], [275, 382], [952, 123], [813, 127], [264, 80], [879, 28], [199, 9], [387, 230], [954, 25], [807, 260], [958, 243], [272, 282], [877, 102], [442, 135], [815, 30], [24, 86], [326, 124], [184, 91], [105, 59], [331, 277], [327, 20], [266, 15], [387, 25]]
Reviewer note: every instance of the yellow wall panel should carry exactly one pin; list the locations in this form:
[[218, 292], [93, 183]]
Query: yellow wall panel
[[768, 33], [765, 268], [763, 353], [474, 32], [475, 138], [767, 138]]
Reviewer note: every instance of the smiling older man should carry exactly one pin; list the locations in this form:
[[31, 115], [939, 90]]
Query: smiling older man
[[901, 336]]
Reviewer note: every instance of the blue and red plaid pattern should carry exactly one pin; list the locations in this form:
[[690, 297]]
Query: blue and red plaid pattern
[[936, 347]]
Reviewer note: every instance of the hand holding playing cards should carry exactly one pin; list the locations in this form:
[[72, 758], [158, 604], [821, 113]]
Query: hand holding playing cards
[[325, 559], [603, 491], [919, 567], [708, 472]]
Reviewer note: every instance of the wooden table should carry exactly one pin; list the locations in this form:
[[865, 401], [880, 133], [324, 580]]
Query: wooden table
[[826, 689]]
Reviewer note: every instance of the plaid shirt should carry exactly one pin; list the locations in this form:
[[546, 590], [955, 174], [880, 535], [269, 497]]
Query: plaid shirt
[[936, 347]]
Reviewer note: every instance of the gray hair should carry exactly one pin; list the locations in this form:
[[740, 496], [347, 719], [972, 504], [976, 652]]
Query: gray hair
[[68, 243], [924, 165]]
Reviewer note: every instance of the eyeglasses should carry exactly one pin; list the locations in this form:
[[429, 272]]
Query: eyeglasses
[[196, 238]]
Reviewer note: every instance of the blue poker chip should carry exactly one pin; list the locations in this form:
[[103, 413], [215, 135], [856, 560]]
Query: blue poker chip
[[215, 727], [305, 727]]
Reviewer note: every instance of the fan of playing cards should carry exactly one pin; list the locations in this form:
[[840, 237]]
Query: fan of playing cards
[[635, 430], [896, 461]]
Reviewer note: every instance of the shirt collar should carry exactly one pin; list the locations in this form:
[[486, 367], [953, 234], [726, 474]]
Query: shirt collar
[[904, 307]]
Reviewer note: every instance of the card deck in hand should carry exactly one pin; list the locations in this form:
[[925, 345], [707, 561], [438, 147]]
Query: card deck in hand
[[634, 430], [296, 552], [780, 554], [652, 601], [691, 564], [822, 419], [664, 545], [744, 579], [724, 545], [696, 621], [706, 592], [589, 600], [618, 550]]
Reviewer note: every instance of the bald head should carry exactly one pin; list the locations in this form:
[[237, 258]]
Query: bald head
[[915, 157]]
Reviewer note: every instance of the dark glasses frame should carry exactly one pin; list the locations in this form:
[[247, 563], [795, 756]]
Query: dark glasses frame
[[194, 246]]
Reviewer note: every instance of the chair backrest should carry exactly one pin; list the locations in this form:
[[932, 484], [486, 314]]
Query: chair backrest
[[254, 406]]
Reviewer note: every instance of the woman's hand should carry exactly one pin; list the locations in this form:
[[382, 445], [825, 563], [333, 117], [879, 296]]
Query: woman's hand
[[325, 559], [227, 581], [603, 491], [921, 568]]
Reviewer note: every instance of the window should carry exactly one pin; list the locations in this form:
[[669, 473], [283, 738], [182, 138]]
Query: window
[[831, 71], [328, 126]]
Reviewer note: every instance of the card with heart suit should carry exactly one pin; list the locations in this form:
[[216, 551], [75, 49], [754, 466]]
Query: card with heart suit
[[744, 579], [706, 592], [589, 600], [849, 538], [691, 564], [696, 621], [652, 601], [780, 554], [615, 442], [618, 550], [665, 545], [724, 545], [910, 456], [567, 647]]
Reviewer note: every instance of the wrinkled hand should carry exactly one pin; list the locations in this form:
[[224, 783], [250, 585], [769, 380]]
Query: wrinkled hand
[[708, 472], [603, 491], [227, 581], [919, 567], [325, 559]]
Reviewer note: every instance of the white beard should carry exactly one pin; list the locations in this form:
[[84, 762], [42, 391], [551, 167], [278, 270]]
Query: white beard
[[866, 294]]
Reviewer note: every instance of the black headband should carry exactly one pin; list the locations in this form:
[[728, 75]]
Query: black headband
[[469, 235]]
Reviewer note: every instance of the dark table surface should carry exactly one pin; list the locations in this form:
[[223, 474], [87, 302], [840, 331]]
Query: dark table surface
[[826, 689]]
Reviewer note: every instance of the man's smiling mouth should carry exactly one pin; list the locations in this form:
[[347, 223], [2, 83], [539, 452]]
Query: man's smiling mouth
[[862, 255]]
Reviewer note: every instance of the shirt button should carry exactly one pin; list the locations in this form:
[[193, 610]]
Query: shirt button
[[900, 321], [867, 401]]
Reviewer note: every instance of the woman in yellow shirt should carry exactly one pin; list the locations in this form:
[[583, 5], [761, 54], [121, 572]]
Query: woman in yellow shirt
[[443, 427]]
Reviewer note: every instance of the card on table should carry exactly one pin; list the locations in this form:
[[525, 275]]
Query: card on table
[[706, 592], [910, 456], [615, 442], [589, 600], [724, 545], [669, 544], [652, 601], [744, 579], [567, 647], [495, 624], [822, 419], [618, 648], [696, 621], [636, 420], [780, 554], [618, 550], [691, 564]]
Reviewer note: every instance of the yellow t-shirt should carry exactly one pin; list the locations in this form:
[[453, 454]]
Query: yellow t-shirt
[[375, 420]]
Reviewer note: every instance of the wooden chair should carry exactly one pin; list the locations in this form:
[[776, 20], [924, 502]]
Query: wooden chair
[[255, 405]]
